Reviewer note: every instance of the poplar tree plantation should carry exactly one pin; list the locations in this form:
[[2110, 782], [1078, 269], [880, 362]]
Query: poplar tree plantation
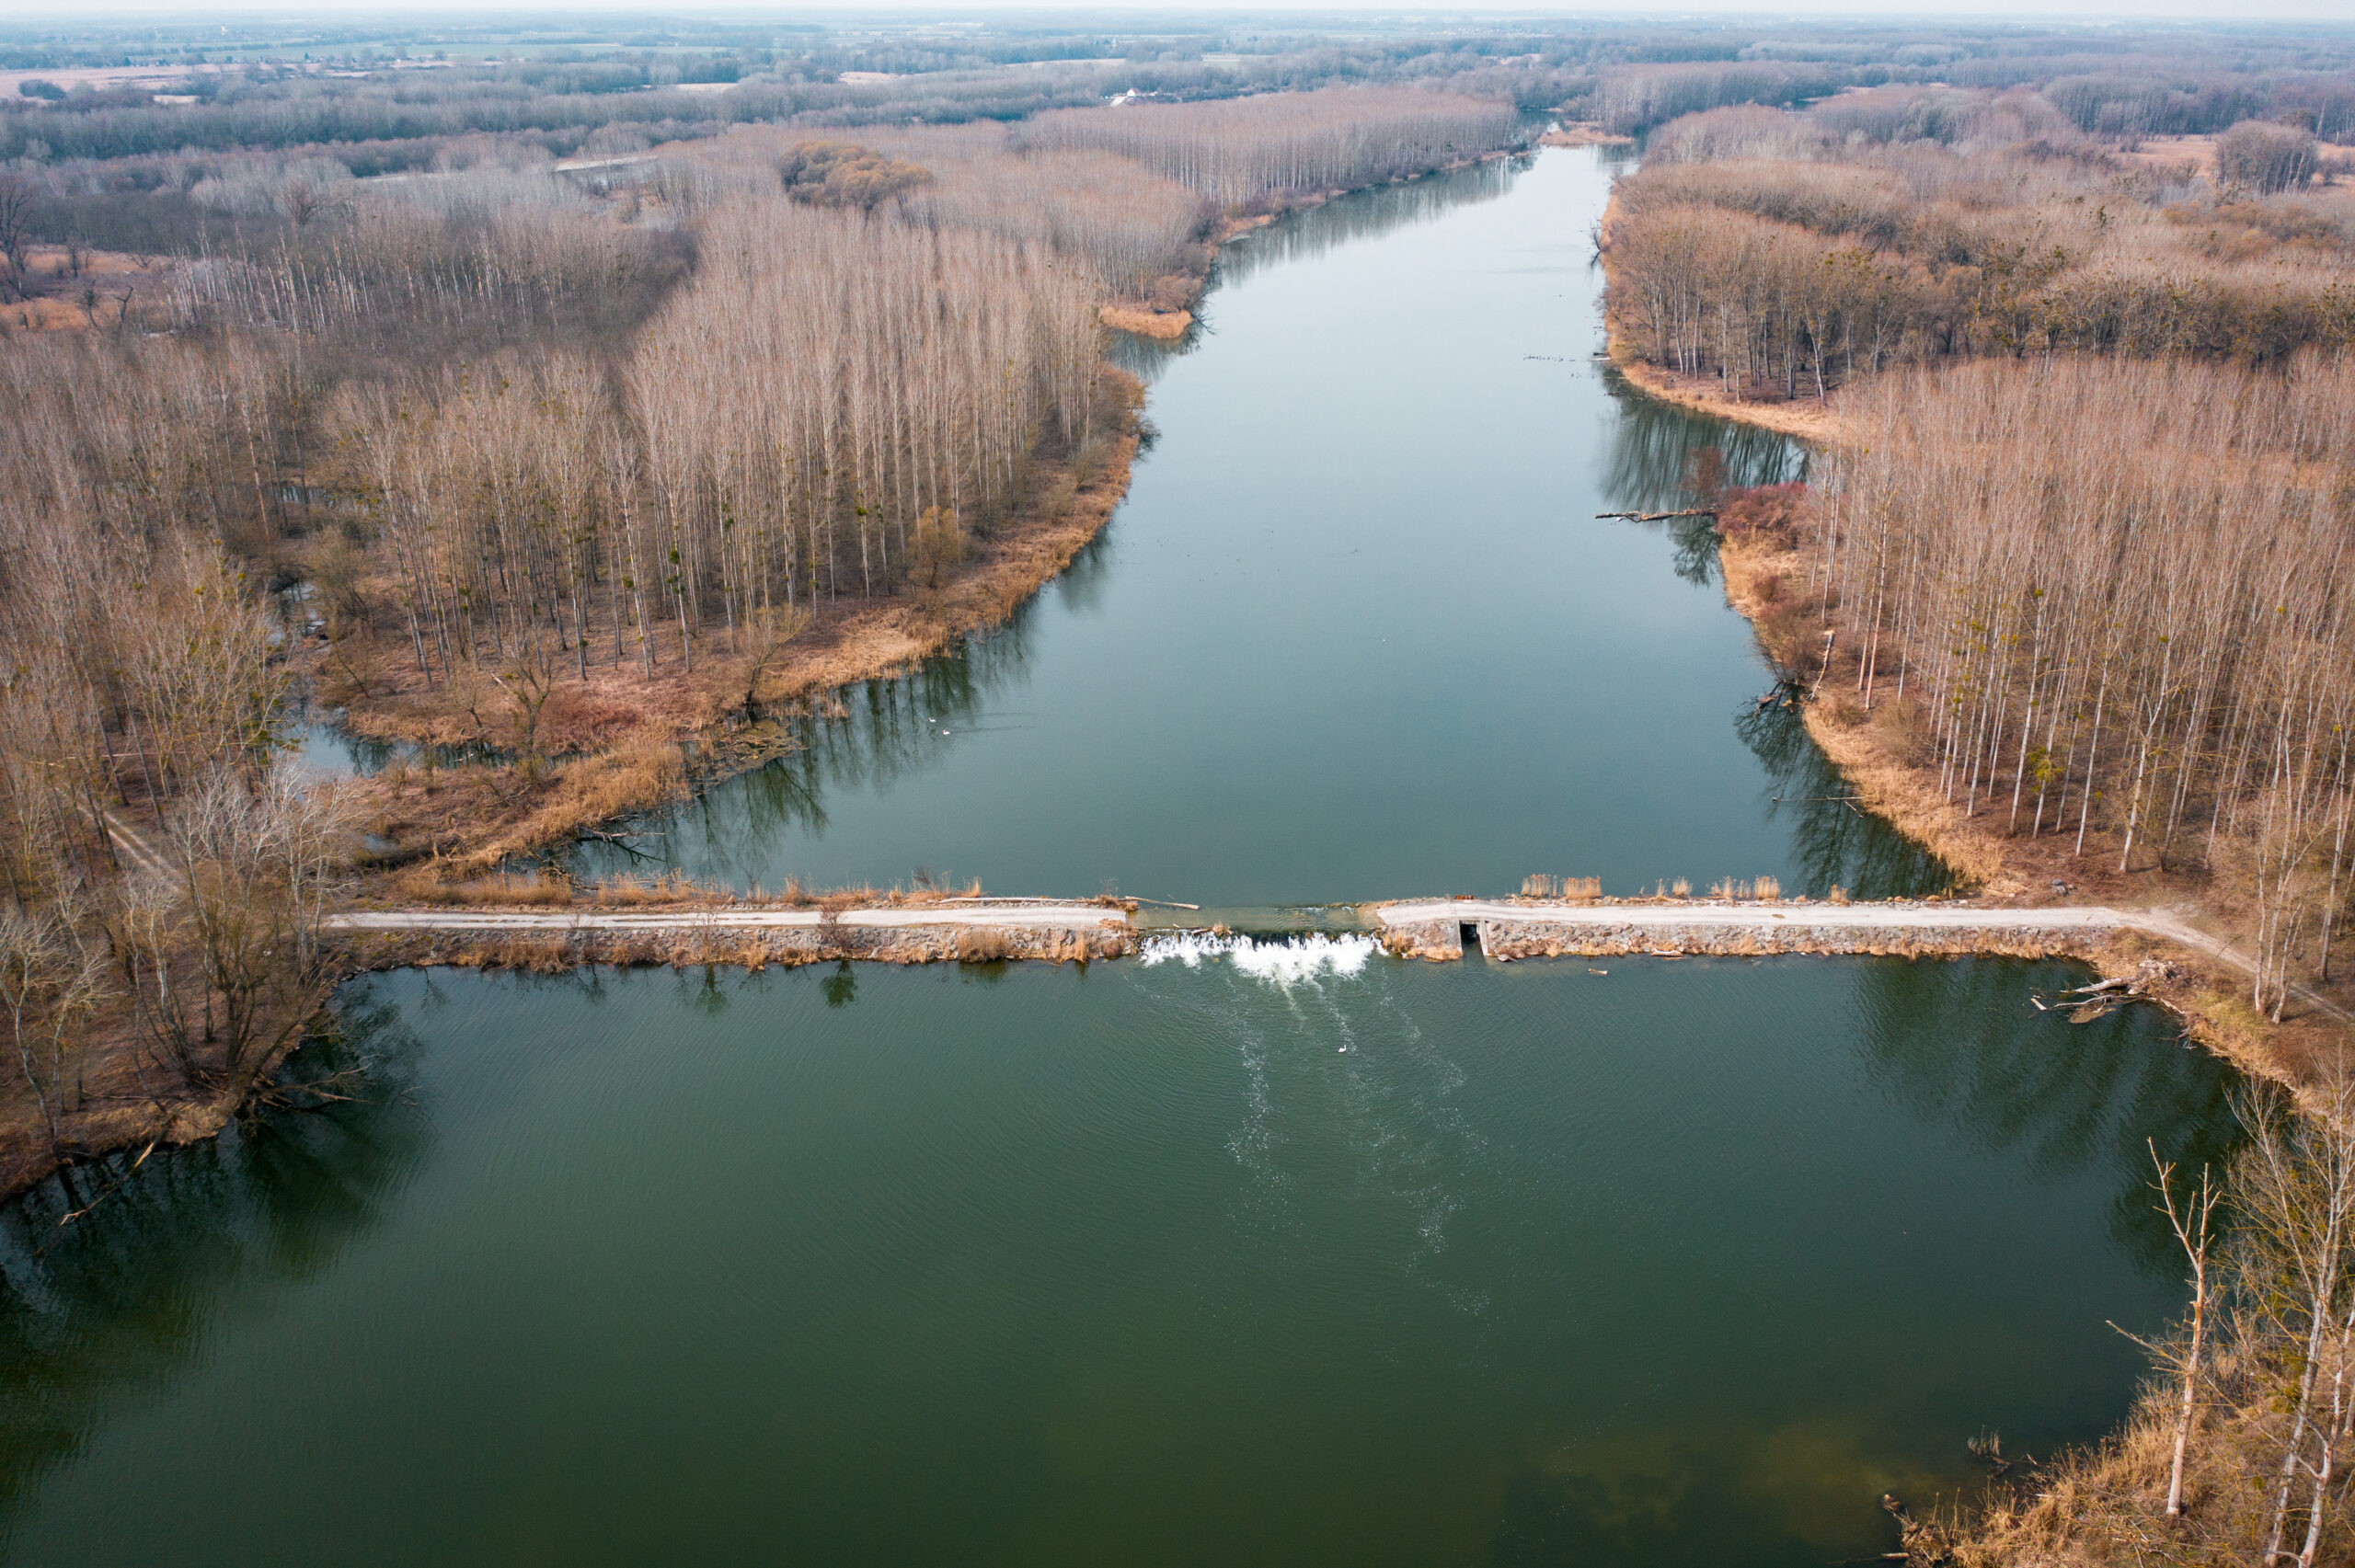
[[496, 436]]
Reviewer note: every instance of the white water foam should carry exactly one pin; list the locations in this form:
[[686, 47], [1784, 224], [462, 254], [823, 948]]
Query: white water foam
[[1285, 963]]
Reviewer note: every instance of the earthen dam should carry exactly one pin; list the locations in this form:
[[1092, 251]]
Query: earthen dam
[[1447, 928]]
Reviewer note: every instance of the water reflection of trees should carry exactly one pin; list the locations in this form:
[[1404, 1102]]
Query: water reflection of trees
[[1299, 237], [121, 1298], [1960, 1044], [1834, 842], [1366, 214], [1653, 442], [1652, 449], [884, 729]]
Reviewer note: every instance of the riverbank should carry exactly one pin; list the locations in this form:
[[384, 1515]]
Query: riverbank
[[1808, 418], [1873, 750], [628, 741], [641, 743], [2207, 981], [125, 1101], [1765, 571]]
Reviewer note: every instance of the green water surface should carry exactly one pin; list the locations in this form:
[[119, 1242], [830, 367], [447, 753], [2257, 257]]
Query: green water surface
[[1283, 1256], [1686, 1263]]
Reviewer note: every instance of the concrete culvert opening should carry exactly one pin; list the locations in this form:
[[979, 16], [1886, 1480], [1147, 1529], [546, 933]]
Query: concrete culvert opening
[[1469, 934]]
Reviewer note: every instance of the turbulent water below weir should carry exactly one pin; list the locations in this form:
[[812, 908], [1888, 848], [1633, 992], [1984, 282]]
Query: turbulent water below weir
[[1271, 1251]]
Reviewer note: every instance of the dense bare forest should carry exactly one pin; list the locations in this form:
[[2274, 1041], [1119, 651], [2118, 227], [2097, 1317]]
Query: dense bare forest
[[2143, 645], [1232, 153], [559, 473], [2069, 584], [1782, 253], [2151, 620]]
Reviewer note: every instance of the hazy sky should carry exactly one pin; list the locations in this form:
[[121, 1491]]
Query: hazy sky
[[52, 11]]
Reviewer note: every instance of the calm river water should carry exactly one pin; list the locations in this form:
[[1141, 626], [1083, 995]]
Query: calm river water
[[1356, 633], [1281, 1255]]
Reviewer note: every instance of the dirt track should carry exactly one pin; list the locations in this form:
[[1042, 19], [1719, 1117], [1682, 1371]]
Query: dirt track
[[1431, 927], [987, 915], [1897, 914]]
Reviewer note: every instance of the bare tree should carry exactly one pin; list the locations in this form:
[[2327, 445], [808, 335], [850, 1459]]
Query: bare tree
[[51, 980], [17, 198], [253, 864], [2190, 1224]]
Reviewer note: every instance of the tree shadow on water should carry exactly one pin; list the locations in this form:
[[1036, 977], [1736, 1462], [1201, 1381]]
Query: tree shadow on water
[[1654, 446], [1689, 1514], [1836, 841], [742, 829], [1958, 1044], [96, 1309]]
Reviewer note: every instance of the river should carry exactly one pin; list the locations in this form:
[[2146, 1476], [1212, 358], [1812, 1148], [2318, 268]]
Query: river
[[1283, 1253], [1356, 633]]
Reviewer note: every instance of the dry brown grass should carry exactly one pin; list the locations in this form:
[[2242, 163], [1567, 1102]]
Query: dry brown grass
[[981, 946], [1583, 133], [1572, 889], [1167, 325], [1808, 418], [113, 290], [426, 884], [1730, 889]]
